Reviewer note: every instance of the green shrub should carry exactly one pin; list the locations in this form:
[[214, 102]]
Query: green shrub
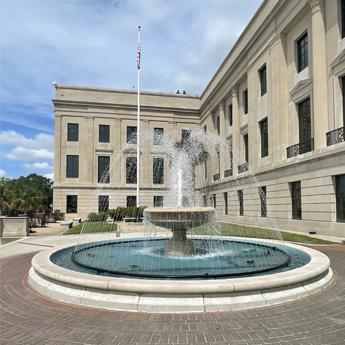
[[118, 214]]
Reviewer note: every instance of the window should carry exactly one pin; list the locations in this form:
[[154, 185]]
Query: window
[[103, 169], [205, 131], [240, 201], [131, 170], [343, 96], [131, 135], [296, 200], [205, 168], [104, 133], [246, 152], [226, 211], [245, 101], [218, 159], [158, 136], [185, 134], [302, 52], [103, 203], [158, 171], [231, 156], [214, 198], [264, 137], [340, 197], [263, 80], [218, 125], [342, 15], [73, 132], [230, 115], [304, 126], [72, 204], [158, 201], [263, 201], [131, 200], [204, 200], [72, 166]]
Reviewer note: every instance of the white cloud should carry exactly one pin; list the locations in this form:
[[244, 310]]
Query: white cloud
[[50, 176], [2, 173], [13, 138], [38, 166], [25, 154], [15, 146]]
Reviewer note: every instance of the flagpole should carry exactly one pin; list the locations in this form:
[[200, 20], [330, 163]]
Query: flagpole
[[138, 119]]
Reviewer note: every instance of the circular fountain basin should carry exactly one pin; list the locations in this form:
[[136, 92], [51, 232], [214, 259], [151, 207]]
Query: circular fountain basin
[[109, 290]]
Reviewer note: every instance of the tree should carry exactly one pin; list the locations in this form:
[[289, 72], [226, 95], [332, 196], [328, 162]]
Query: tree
[[27, 194]]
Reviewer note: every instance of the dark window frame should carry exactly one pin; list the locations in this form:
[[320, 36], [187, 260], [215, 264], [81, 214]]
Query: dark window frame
[[263, 200], [302, 46], [296, 200], [263, 79], [246, 147], [158, 170], [340, 197], [263, 124], [103, 203], [245, 101], [185, 134], [230, 114], [72, 166], [104, 133], [226, 203], [342, 19], [131, 170], [304, 120], [158, 201], [72, 203], [73, 132], [158, 135], [240, 202], [103, 169], [214, 200], [131, 200], [132, 135]]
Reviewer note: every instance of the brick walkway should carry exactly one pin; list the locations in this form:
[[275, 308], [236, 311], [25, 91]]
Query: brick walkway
[[27, 318]]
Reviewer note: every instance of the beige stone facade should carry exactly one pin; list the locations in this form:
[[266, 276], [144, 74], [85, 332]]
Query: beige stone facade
[[299, 45]]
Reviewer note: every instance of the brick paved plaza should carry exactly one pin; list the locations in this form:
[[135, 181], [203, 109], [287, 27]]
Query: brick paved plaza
[[27, 318]]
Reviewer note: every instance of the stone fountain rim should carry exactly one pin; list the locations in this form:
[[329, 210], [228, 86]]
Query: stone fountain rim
[[178, 209], [318, 264], [154, 295]]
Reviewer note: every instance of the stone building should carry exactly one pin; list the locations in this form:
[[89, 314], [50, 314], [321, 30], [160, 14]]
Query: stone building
[[277, 101]]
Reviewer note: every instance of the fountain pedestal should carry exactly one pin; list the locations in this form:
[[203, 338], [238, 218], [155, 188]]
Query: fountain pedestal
[[179, 244], [179, 220]]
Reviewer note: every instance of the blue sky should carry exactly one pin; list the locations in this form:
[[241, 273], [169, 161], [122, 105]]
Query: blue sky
[[93, 42]]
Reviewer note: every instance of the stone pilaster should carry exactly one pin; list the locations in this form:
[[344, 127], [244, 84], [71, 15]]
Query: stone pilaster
[[319, 68], [223, 130], [236, 130], [278, 123]]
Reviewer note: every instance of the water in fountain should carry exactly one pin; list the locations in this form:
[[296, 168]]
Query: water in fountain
[[195, 247]]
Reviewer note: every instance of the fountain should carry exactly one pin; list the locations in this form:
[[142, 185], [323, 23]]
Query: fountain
[[193, 269]]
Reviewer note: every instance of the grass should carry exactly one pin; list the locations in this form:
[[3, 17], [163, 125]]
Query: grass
[[227, 229], [91, 227]]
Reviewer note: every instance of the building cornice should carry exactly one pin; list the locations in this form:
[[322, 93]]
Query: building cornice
[[133, 107]]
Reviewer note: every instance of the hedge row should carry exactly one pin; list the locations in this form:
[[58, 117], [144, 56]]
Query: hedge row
[[118, 214]]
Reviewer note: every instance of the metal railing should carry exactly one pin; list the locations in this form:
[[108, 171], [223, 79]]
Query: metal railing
[[336, 136], [300, 148], [242, 168], [228, 173], [216, 177]]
